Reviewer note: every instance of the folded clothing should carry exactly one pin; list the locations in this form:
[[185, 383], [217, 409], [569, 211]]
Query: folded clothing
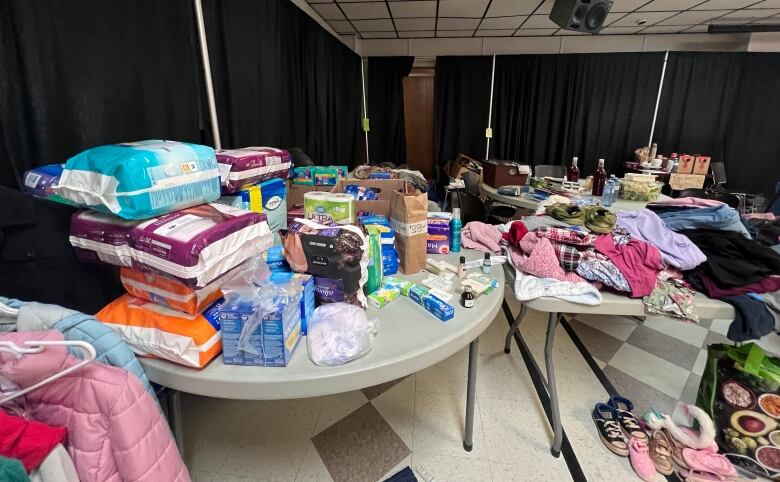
[[241, 168], [171, 292], [27, 440], [101, 238], [534, 223], [676, 249], [198, 245], [517, 231], [732, 259], [537, 256], [481, 236], [672, 298], [141, 180], [528, 287], [566, 236], [156, 331], [11, 470], [638, 261], [722, 217], [711, 288], [597, 268], [683, 202]]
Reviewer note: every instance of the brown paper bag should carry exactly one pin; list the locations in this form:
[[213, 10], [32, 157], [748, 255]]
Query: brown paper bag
[[409, 217]]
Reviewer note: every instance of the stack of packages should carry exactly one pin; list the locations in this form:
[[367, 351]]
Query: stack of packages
[[151, 211]]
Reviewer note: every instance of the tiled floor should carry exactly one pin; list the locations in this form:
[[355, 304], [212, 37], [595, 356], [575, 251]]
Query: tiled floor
[[370, 434]]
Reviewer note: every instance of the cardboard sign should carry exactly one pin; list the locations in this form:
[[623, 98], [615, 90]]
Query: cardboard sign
[[678, 182]]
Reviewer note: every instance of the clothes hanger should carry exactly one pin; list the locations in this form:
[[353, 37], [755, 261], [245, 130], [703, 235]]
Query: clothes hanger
[[37, 346]]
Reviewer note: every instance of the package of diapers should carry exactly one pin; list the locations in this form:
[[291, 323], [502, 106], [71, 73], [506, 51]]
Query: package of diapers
[[241, 168], [141, 180], [40, 183], [199, 244], [101, 238], [156, 331], [170, 292]]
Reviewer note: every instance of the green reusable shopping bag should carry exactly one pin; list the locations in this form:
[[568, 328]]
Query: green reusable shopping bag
[[740, 390]]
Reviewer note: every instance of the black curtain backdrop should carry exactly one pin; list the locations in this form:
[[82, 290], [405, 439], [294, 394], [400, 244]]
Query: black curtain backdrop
[[385, 99], [549, 108], [461, 98], [724, 104], [75, 75], [282, 80]]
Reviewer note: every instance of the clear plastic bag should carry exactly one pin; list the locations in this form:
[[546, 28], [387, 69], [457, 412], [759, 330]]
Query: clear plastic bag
[[252, 293], [339, 333]]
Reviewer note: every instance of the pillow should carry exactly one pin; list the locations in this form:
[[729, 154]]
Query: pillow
[[155, 331], [141, 180]]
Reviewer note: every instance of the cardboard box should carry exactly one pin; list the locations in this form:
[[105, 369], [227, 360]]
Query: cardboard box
[[701, 165], [295, 192], [685, 164], [678, 181], [383, 187]]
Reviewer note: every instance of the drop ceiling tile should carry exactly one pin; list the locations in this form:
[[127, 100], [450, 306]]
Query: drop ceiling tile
[[620, 30], [692, 17], [462, 8], [413, 9], [380, 25], [668, 5], [416, 34], [495, 33], [663, 29], [365, 10], [744, 16], [328, 11], [341, 26], [455, 33], [623, 6], [507, 8], [410, 24], [378, 35], [458, 23], [774, 20], [723, 4], [501, 23], [535, 32], [631, 19], [767, 4], [539, 21]]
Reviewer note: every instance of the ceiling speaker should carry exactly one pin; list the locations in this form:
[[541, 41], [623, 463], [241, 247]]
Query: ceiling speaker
[[580, 15]]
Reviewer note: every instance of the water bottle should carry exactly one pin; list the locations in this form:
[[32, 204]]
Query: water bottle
[[610, 192], [455, 228]]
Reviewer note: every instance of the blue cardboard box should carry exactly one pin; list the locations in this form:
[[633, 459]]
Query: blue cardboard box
[[271, 343], [307, 296]]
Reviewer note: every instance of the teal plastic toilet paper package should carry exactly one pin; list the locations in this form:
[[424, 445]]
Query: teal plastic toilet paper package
[[141, 180]]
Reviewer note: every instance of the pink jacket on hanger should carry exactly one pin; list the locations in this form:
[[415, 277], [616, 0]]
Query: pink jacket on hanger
[[115, 429]]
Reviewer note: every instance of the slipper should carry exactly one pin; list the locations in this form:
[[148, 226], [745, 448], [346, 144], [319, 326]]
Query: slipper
[[661, 452], [677, 448], [610, 433], [628, 421], [706, 462], [640, 459]]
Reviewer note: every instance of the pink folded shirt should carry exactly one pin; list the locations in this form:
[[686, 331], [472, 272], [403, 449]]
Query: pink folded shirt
[[640, 262]]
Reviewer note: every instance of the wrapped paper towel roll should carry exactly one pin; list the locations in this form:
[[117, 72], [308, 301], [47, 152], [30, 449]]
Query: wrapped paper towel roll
[[329, 207]]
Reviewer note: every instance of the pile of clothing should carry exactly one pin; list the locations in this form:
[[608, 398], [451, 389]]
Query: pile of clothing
[[659, 254]]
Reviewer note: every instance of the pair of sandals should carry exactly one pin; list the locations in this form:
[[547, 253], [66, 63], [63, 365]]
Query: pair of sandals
[[621, 433]]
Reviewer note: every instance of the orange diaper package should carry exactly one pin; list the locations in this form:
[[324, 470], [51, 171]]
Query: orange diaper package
[[157, 331], [170, 292]]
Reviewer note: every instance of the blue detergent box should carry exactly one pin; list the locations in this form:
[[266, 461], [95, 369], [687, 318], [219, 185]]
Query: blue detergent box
[[307, 295], [271, 343]]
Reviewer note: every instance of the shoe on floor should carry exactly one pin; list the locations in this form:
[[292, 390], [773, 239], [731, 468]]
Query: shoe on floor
[[608, 426], [639, 455], [660, 450], [628, 421]]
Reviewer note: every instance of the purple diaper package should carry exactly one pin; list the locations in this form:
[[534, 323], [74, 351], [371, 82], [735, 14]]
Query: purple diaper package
[[101, 238], [198, 244], [241, 168]]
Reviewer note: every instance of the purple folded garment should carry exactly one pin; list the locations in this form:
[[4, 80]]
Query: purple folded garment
[[101, 238], [241, 168], [199, 244]]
